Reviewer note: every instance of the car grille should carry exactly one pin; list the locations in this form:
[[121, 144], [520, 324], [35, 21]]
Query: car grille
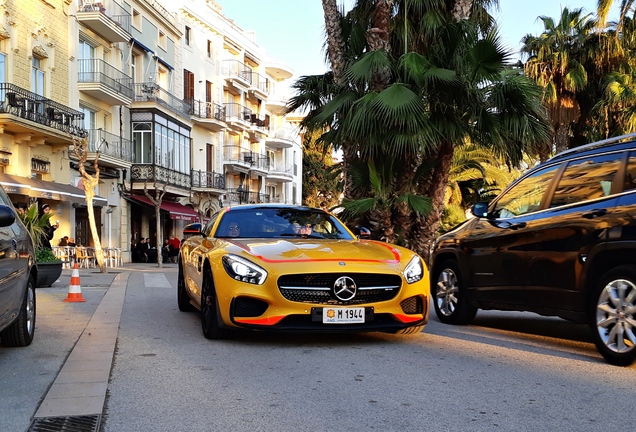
[[317, 288]]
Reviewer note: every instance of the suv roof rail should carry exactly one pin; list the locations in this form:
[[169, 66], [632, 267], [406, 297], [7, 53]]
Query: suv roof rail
[[595, 144]]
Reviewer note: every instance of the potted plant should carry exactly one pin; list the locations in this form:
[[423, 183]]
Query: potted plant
[[49, 266]]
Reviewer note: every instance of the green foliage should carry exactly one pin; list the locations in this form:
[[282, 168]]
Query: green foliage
[[321, 178], [45, 255], [35, 223]]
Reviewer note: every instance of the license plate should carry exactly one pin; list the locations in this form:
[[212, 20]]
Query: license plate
[[342, 315]]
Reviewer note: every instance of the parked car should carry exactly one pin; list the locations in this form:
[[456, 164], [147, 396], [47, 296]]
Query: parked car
[[17, 278], [292, 268], [560, 241]]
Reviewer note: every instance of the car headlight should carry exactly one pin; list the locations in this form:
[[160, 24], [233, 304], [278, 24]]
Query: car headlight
[[414, 271], [243, 270]]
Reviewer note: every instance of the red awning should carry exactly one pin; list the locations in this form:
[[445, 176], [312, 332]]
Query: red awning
[[175, 210]]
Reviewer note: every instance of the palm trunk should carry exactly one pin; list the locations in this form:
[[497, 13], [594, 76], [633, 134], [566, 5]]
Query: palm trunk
[[335, 43], [461, 10], [425, 229], [378, 40]]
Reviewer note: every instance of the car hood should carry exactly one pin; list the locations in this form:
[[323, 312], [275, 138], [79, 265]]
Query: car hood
[[298, 250]]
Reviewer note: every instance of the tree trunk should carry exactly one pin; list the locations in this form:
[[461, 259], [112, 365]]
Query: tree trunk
[[561, 138], [378, 40], [335, 43], [80, 148], [462, 8], [425, 231]]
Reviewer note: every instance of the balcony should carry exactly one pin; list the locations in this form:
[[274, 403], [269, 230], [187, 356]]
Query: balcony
[[107, 18], [102, 81], [238, 116], [281, 139], [238, 159], [237, 75], [261, 163], [279, 71], [114, 151], [22, 111], [281, 172], [259, 86], [149, 174], [207, 114], [149, 95], [208, 180], [245, 196]]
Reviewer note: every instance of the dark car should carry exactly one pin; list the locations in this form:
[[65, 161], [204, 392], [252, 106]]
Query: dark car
[[560, 241], [17, 278]]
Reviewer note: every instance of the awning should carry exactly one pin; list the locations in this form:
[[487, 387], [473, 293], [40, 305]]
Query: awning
[[175, 210], [163, 62], [140, 45], [45, 189]]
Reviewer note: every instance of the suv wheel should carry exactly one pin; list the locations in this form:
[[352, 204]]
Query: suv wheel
[[20, 333], [613, 316], [451, 297]]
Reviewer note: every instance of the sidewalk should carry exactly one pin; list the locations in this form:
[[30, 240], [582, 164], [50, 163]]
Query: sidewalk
[[77, 396]]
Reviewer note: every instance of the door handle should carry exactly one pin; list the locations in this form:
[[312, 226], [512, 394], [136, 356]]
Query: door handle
[[517, 225], [595, 213]]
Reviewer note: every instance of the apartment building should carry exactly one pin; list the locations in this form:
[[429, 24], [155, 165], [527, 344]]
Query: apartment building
[[178, 105]]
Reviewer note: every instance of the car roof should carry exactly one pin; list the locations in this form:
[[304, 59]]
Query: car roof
[[269, 206], [616, 143]]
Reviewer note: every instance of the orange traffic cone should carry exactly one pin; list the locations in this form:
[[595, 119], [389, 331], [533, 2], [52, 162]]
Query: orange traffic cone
[[74, 289]]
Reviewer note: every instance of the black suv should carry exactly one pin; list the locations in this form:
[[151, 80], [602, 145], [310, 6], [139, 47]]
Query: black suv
[[559, 241]]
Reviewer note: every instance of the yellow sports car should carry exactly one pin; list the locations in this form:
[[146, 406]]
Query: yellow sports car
[[291, 268]]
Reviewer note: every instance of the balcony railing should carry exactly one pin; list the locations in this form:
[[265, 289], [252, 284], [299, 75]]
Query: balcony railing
[[234, 112], [152, 92], [205, 179], [109, 144], [114, 11], [260, 82], [98, 71], [140, 173], [209, 110], [241, 196], [239, 154], [236, 69], [31, 106]]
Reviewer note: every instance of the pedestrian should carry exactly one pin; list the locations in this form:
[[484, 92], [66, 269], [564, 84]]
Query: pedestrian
[[48, 228]]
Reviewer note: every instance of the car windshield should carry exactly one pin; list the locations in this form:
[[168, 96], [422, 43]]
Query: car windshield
[[280, 222]]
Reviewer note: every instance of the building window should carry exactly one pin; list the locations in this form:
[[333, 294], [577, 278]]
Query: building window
[[90, 118], [136, 19], [142, 143], [166, 139], [162, 39], [188, 84], [3, 67], [37, 77], [187, 35], [209, 49]]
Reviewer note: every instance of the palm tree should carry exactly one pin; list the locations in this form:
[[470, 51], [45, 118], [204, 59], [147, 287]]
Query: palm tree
[[555, 62], [604, 7], [438, 83]]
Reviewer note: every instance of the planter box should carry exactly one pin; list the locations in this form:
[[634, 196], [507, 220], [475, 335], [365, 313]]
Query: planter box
[[48, 273]]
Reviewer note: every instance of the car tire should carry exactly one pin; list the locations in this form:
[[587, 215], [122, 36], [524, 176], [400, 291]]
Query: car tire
[[183, 300], [20, 333], [210, 317], [611, 316], [450, 296]]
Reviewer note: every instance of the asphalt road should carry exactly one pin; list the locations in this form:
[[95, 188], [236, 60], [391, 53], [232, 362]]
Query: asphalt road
[[508, 371]]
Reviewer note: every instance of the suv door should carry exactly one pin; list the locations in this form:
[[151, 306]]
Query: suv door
[[495, 246], [571, 228]]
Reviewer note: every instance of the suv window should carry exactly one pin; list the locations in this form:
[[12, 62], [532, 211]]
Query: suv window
[[586, 179], [630, 174], [525, 196]]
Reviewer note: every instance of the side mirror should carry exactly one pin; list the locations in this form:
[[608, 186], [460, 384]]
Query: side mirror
[[480, 209], [192, 229], [362, 232], [7, 216]]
